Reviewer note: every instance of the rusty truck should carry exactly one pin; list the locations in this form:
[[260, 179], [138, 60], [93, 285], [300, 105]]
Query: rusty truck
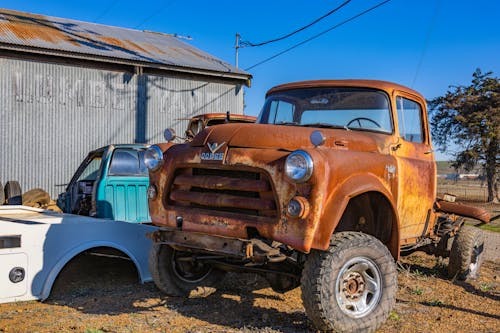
[[334, 182]]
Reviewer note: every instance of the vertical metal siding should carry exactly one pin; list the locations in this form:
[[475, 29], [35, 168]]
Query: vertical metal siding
[[52, 115], [172, 100]]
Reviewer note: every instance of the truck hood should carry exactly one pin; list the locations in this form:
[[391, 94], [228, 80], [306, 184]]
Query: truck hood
[[289, 138]]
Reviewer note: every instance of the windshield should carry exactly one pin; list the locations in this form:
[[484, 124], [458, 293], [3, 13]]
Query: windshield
[[349, 108]]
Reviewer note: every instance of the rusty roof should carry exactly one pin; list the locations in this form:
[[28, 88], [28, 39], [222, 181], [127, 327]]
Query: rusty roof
[[70, 38], [358, 83]]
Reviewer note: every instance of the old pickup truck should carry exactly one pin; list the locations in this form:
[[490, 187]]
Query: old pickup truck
[[333, 183]]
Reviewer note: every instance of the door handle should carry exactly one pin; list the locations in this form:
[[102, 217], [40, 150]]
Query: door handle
[[429, 152], [396, 147]]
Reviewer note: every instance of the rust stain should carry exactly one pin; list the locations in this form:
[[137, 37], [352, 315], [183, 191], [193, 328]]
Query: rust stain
[[113, 41], [153, 48], [32, 26], [137, 47]]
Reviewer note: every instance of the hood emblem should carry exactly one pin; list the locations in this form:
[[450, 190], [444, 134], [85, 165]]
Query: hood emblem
[[213, 155], [214, 146]]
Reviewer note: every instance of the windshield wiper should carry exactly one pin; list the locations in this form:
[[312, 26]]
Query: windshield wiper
[[325, 125]]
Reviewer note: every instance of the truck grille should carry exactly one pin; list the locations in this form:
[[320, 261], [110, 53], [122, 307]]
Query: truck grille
[[242, 192]]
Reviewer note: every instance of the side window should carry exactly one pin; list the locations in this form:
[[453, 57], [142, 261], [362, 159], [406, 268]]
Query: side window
[[127, 162], [280, 112], [410, 120], [91, 170]]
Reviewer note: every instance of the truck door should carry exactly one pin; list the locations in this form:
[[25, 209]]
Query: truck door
[[416, 166], [77, 198], [122, 193]]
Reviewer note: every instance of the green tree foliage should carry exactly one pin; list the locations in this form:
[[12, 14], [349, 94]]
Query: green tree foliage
[[469, 117]]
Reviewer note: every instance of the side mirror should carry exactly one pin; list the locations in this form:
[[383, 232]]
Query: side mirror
[[169, 134]]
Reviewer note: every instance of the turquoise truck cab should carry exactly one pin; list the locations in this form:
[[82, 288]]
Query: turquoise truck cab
[[110, 183]]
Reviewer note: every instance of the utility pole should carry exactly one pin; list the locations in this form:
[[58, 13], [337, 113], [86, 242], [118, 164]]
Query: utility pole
[[236, 47]]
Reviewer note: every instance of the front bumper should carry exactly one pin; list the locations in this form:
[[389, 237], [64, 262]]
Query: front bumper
[[245, 249]]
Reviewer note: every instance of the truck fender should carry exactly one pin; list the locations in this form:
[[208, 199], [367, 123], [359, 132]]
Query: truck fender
[[56, 269], [337, 202]]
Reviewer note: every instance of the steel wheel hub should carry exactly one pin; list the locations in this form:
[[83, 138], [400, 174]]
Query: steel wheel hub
[[358, 287]]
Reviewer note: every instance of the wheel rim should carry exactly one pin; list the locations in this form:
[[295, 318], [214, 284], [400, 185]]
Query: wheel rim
[[187, 269], [358, 287]]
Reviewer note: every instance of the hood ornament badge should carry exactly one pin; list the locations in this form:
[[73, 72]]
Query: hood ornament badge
[[213, 155], [214, 146]]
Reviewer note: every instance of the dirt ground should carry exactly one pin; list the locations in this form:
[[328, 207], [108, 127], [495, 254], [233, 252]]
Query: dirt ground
[[96, 294]]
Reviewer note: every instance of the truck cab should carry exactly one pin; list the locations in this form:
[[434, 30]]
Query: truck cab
[[110, 183]]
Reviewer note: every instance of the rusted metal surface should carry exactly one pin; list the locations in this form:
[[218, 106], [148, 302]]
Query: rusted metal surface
[[222, 183], [397, 175], [199, 122], [70, 37], [388, 87], [463, 210], [223, 245], [248, 249]]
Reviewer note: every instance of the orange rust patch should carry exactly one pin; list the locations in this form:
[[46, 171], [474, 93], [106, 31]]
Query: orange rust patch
[[32, 26], [137, 46], [114, 41], [154, 48]]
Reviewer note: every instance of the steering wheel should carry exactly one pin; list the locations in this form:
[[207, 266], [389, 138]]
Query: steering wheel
[[359, 119]]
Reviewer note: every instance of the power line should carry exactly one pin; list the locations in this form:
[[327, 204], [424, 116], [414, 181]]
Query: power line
[[249, 44], [426, 42], [318, 35], [155, 13], [104, 12]]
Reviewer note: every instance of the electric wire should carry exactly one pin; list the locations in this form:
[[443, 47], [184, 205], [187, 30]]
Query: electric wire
[[155, 13], [104, 12], [318, 35], [426, 42], [249, 44]]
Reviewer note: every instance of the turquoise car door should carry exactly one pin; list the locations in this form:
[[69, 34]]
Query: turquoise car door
[[122, 192]]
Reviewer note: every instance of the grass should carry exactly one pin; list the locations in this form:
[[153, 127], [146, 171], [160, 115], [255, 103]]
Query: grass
[[417, 291], [394, 316], [485, 287], [418, 273], [436, 302], [490, 227]]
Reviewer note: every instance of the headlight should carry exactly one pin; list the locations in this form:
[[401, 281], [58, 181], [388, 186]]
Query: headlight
[[299, 166], [153, 158]]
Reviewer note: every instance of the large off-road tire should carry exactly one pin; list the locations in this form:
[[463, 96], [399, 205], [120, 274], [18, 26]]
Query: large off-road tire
[[13, 194], [467, 253], [351, 287], [2, 194], [176, 277]]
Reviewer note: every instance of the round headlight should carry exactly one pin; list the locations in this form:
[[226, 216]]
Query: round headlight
[[299, 166], [153, 157]]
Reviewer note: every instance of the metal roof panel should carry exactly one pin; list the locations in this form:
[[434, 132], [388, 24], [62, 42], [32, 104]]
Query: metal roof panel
[[77, 37]]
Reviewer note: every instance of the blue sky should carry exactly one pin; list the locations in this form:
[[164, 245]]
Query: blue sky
[[427, 45]]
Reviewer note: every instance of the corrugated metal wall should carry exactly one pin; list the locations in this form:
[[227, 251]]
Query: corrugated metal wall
[[52, 115]]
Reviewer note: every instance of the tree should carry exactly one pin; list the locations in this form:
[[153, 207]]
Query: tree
[[469, 116]]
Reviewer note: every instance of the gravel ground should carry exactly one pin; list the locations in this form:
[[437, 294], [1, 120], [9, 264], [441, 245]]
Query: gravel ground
[[492, 246]]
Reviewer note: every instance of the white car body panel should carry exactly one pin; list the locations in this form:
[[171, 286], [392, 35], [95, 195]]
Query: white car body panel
[[43, 242]]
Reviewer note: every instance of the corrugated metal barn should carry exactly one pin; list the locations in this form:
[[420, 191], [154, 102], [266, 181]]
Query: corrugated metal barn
[[68, 87]]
